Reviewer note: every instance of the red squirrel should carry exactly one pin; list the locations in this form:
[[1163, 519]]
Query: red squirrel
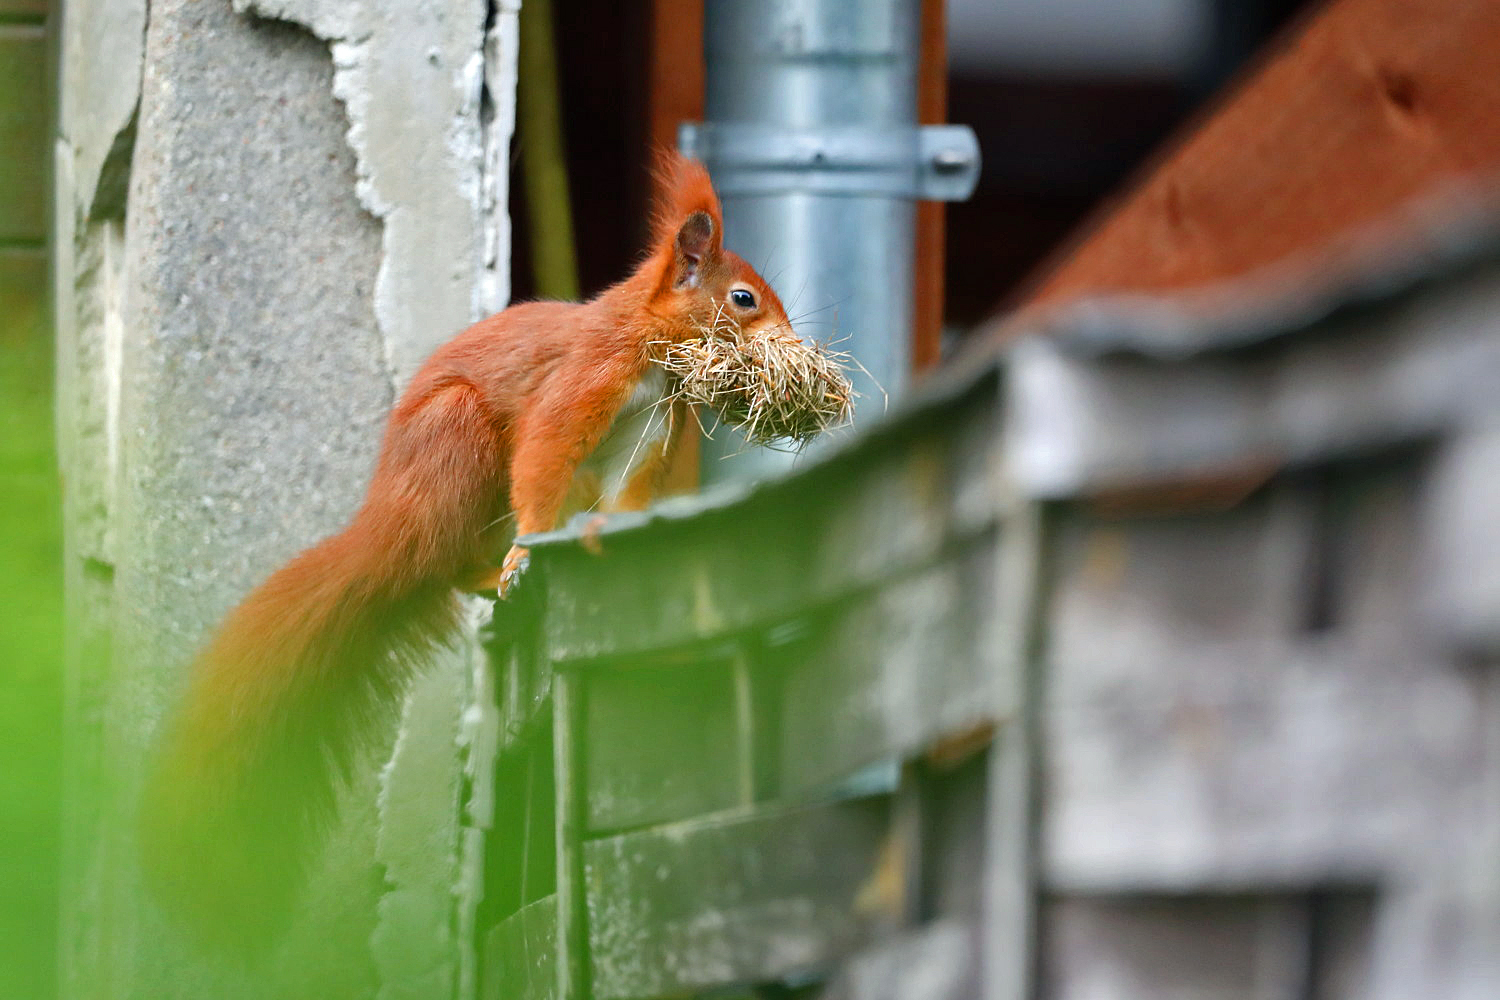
[[542, 406]]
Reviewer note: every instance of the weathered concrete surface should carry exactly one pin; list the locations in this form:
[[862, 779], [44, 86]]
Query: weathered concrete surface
[[252, 389], [301, 228], [411, 76]]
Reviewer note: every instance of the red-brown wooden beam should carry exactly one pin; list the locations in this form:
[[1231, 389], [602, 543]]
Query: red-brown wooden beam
[[932, 109], [674, 94]]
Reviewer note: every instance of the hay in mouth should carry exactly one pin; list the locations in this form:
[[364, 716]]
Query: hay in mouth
[[773, 386]]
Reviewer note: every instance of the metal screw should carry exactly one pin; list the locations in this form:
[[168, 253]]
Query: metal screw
[[951, 161]]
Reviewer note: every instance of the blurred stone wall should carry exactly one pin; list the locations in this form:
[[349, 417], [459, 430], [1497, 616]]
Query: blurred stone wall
[[266, 216]]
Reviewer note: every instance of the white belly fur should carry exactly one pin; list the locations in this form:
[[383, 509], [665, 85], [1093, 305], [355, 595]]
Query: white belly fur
[[637, 435]]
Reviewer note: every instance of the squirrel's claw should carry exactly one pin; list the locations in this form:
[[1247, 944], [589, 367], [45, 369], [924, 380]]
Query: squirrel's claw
[[516, 561]]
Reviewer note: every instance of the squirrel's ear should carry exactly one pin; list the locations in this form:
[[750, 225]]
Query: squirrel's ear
[[696, 240]]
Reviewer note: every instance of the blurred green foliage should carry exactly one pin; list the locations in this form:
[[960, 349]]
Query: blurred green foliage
[[30, 633], [31, 592], [23, 129]]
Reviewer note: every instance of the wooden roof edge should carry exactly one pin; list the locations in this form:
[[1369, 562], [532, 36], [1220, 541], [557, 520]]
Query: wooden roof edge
[[1345, 135], [1433, 234]]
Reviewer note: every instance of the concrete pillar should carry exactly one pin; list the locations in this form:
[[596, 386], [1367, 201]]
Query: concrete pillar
[[267, 215]]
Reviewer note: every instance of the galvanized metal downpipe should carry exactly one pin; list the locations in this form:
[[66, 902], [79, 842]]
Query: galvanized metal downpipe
[[812, 141]]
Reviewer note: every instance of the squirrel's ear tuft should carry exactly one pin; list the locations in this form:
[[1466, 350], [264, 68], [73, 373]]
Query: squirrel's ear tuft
[[688, 228], [684, 190], [695, 240]]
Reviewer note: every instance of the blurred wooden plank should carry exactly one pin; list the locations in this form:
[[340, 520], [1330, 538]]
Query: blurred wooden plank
[[936, 962], [1343, 927], [520, 956], [957, 836], [915, 661], [726, 900], [1193, 700], [521, 865], [505, 662], [24, 121], [848, 524], [523, 677], [24, 9], [1012, 797], [1147, 612], [570, 760], [662, 742], [1248, 945], [1144, 610], [1228, 948], [533, 686], [1422, 363], [1325, 777], [1461, 541]]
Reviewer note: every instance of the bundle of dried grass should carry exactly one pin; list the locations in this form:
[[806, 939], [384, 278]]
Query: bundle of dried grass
[[774, 386]]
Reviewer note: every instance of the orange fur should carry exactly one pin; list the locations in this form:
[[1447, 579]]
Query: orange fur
[[311, 666]]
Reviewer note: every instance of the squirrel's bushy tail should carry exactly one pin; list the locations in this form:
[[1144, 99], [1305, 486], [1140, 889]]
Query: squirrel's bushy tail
[[302, 677], [307, 673]]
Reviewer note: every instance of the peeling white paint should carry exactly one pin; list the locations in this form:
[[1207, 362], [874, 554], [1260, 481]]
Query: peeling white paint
[[111, 288], [103, 46], [500, 54], [409, 77]]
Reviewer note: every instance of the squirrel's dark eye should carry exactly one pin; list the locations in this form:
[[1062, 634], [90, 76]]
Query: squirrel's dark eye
[[742, 298]]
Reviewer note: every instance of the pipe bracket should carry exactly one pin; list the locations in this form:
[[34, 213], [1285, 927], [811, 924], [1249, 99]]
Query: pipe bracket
[[925, 163]]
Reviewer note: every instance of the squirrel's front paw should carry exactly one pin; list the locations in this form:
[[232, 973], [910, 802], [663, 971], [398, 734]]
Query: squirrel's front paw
[[589, 536], [516, 561], [496, 581]]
